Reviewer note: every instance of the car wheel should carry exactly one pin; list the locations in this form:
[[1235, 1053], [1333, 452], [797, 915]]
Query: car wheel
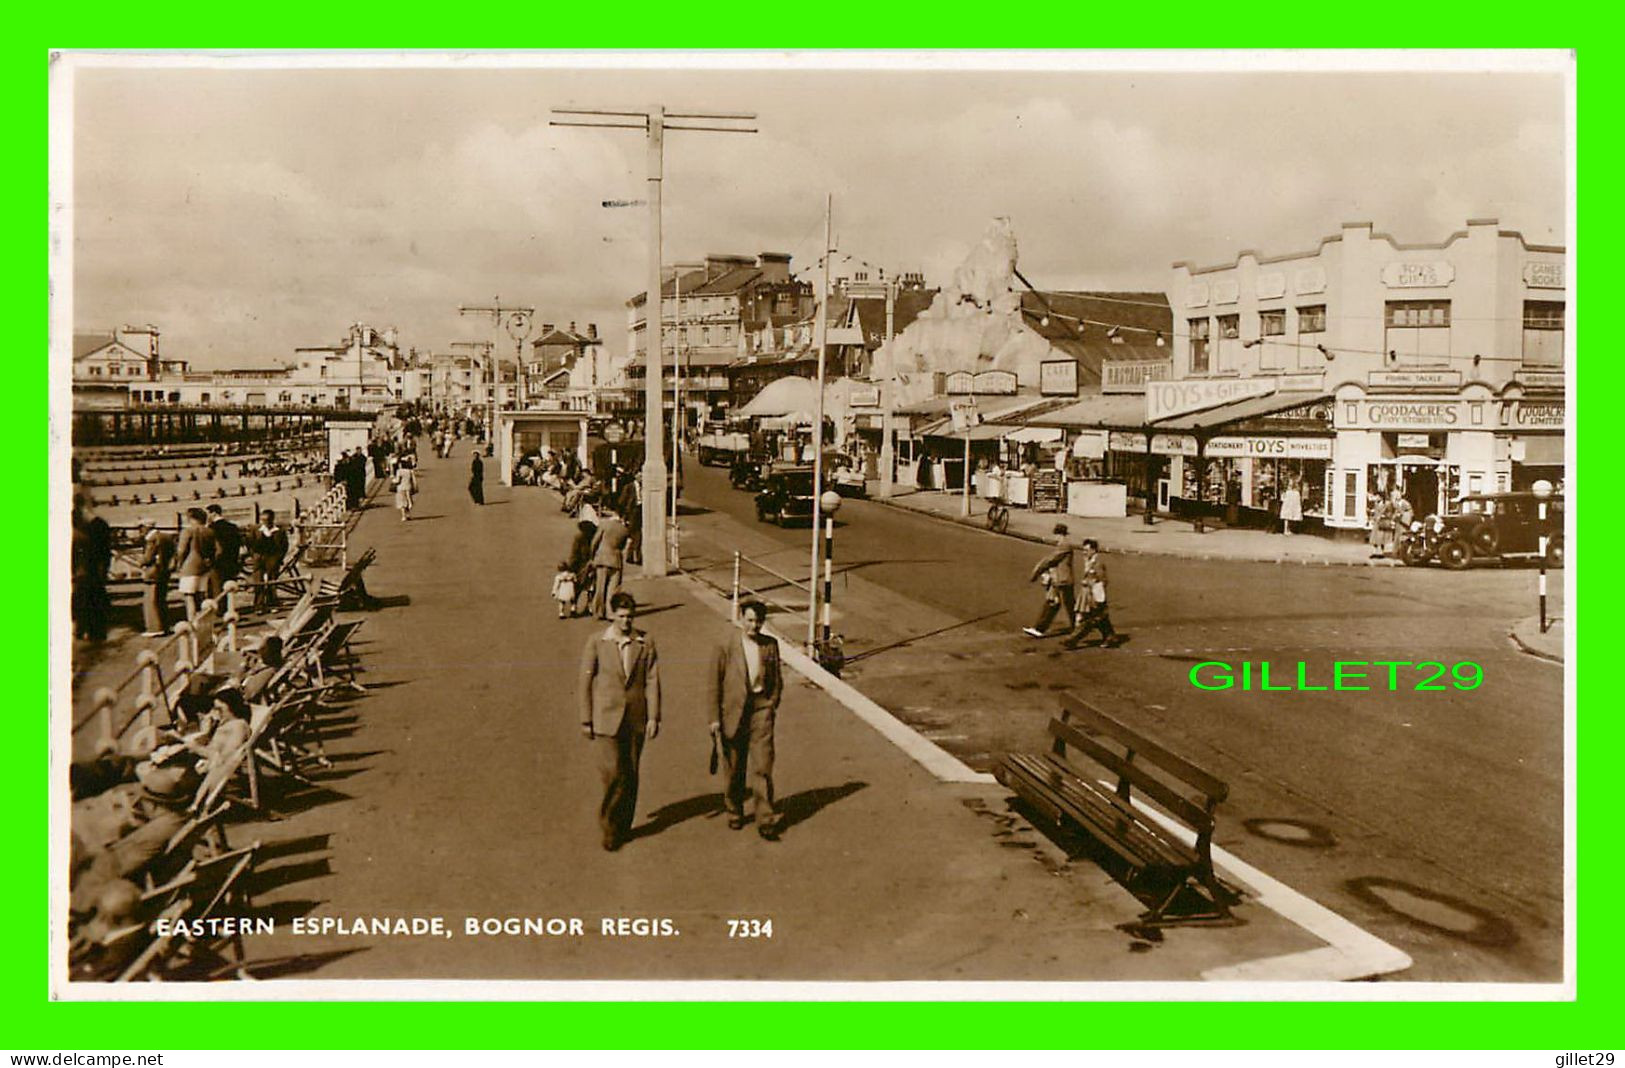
[[1456, 554], [1486, 538], [1407, 553], [1554, 552]]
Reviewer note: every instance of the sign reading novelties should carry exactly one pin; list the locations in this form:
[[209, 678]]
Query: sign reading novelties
[[1163, 400]]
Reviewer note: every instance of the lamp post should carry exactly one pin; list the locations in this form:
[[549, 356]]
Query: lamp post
[[1543, 492]]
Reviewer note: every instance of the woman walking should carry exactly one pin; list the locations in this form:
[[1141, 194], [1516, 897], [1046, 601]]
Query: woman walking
[[406, 486]]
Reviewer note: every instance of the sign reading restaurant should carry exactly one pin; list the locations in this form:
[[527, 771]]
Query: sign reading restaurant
[[1164, 400], [1130, 376]]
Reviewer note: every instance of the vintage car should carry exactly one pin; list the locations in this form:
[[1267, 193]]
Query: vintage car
[[786, 493], [844, 475], [1498, 527]]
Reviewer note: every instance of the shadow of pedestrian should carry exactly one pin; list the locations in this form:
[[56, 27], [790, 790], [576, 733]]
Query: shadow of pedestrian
[[668, 816], [803, 806]]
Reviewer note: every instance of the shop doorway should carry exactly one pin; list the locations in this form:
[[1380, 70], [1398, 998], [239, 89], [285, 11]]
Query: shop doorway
[[1419, 484]]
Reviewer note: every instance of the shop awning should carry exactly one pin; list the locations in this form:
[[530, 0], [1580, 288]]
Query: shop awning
[[982, 432], [1542, 449], [1095, 411], [1026, 434], [1237, 411]]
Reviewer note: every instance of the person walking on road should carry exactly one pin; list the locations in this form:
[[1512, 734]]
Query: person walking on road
[[608, 559], [1096, 614], [581, 566], [619, 698], [157, 560], [1055, 571], [743, 687], [476, 479]]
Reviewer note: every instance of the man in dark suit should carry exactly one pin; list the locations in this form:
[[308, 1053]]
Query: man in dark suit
[[269, 547], [476, 479], [228, 559], [1058, 593], [743, 687], [619, 698]]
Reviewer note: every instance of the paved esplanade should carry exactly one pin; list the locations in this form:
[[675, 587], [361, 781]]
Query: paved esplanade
[[466, 790]]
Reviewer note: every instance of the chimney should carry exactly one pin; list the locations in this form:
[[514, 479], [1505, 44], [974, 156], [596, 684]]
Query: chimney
[[547, 328], [775, 267], [572, 326], [592, 331]]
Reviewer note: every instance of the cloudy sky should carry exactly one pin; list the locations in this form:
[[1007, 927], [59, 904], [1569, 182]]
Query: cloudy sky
[[249, 211]]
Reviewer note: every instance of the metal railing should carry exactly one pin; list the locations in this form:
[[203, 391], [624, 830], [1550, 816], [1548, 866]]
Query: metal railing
[[162, 673]]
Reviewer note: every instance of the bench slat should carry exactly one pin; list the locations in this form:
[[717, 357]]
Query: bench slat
[[1165, 795], [1211, 786], [1117, 825], [1121, 811]]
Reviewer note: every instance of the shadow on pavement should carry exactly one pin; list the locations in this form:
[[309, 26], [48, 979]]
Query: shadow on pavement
[[798, 808], [668, 816]]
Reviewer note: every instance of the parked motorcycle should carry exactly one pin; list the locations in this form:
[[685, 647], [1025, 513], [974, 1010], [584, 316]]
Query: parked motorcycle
[[1421, 543]]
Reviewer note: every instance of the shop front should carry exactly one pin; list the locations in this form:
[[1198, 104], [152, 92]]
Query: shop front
[[1430, 448]]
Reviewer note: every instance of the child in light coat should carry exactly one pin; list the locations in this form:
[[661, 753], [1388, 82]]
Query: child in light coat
[[564, 588]]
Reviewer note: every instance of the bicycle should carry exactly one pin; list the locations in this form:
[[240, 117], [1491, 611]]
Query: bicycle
[[998, 516]]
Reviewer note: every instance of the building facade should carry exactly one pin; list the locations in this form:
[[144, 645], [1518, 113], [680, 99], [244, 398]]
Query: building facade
[[1433, 369], [707, 311]]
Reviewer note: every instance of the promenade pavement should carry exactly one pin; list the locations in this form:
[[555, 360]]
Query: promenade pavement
[[463, 788], [1166, 537]]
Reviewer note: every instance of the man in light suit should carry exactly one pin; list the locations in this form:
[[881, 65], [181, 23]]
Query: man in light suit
[[743, 687], [619, 696]]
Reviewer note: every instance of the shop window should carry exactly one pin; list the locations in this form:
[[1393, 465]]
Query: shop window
[[1418, 331], [1351, 494], [1199, 329], [1543, 333]]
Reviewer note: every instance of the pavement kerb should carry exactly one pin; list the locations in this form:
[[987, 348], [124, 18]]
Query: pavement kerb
[[1127, 550], [933, 758], [1524, 646]]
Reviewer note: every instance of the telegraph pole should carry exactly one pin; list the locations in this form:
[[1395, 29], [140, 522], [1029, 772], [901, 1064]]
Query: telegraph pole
[[653, 121], [820, 339]]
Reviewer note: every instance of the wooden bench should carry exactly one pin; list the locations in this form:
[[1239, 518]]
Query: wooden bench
[[1065, 786]]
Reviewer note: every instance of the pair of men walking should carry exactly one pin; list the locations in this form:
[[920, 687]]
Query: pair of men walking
[[619, 696], [1063, 578]]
